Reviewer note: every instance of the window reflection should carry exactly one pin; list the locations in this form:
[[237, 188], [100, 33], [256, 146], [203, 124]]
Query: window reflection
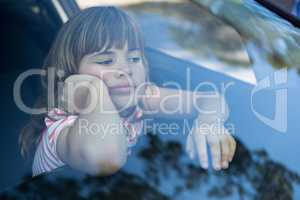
[[256, 176], [185, 30]]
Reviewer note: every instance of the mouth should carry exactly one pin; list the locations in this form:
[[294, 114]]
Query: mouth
[[121, 89]]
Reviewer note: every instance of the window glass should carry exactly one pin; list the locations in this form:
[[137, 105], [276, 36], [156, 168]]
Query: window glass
[[185, 30]]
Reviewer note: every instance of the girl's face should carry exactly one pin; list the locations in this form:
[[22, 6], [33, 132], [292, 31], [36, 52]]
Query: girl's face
[[122, 70]]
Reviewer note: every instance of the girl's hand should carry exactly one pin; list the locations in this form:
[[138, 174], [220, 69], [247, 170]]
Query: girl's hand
[[78, 91], [221, 144]]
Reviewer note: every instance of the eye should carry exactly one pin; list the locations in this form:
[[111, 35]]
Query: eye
[[105, 62], [134, 59]]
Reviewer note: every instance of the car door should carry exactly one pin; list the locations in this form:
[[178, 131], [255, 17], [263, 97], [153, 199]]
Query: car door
[[266, 163]]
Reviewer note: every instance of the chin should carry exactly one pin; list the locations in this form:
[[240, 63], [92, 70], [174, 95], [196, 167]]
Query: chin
[[123, 101]]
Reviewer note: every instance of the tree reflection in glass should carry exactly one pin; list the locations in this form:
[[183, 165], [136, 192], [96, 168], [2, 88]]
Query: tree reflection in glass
[[252, 175]]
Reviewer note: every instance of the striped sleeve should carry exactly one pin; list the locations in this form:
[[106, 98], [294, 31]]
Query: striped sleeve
[[46, 158]]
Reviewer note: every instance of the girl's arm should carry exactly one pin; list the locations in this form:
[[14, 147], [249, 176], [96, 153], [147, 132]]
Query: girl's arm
[[208, 108], [96, 142], [181, 104]]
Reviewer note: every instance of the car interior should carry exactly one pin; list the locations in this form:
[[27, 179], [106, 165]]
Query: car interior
[[28, 28]]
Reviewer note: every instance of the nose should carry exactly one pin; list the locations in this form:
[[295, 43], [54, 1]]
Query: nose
[[123, 72]]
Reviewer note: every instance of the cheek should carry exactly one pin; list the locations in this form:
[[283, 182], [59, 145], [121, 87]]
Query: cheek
[[91, 70], [107, 77], [140, 74], [95, 71]]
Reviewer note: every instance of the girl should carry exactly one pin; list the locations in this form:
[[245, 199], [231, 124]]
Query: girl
[[98, 55]]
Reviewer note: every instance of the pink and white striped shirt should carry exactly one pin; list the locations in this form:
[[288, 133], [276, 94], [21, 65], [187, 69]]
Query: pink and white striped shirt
[[46, 158]]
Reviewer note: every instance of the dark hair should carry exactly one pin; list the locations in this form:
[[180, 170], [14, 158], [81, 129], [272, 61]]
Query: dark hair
[[93, 29]]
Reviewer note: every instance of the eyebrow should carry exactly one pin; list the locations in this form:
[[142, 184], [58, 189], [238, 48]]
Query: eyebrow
[[101, 53], [104, 53]]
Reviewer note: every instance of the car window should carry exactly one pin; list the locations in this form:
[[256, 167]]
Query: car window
[[239, 47], [190, 32]]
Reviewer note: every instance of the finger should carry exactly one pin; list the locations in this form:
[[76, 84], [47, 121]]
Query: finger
[[190, 149], [189, 146], [76, 78], [225, 151], [232, 148], [215, 149], [81, 78], [77, 81], [200, 140], [232, 145], [75, 92]]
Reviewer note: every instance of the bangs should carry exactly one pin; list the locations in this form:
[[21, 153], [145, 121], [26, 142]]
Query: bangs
[[113, 28]]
